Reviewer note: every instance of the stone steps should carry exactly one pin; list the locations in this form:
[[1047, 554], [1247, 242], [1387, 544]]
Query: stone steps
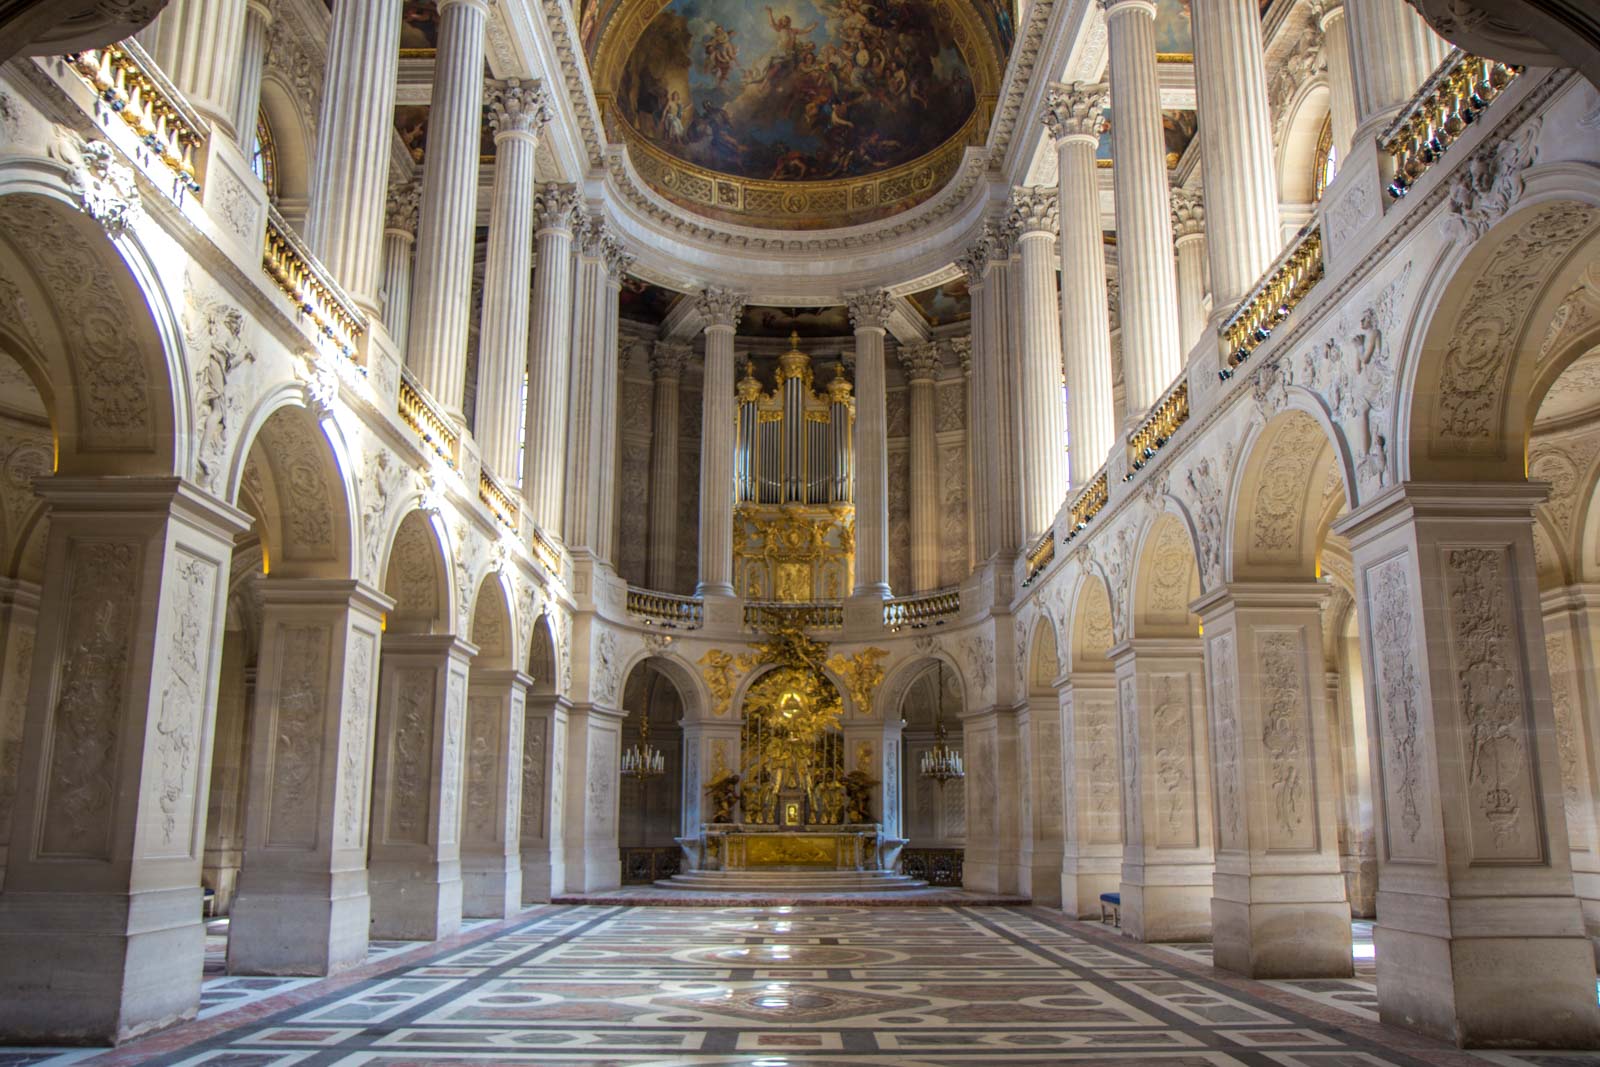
[[789, 880]]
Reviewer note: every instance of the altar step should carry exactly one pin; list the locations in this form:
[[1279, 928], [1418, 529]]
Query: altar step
[[786, 880]]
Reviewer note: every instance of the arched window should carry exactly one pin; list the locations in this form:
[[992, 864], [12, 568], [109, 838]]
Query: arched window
[[1326, 164], [263, 159]]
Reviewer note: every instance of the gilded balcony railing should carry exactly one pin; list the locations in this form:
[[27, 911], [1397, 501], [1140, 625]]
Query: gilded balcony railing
[[813, 615], [312, 289], [1158, 427], [427, 421], [1448, 102], [545, 550], [1039, 556], [1086, 505], [1286, 283], [134, 89], [667, 610], [921, 610], [504, 503]]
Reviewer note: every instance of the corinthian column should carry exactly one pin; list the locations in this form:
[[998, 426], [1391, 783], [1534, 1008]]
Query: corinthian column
[[517, 114], [1392, 52], [344, 216], [1188, 234], [1072, 116], [1331, 19], [1241, 191], [550, 352], [252, 59], [666, 364], [399, 241], [199, 45], [869, 314], [721, 311], [921, 366], [1150, 354], [592, 408], [439, 320], [1044, 457]]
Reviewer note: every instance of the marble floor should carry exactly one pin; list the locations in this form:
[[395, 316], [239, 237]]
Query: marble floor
[[774, 986]]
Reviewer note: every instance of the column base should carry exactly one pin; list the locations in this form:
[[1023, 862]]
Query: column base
[[491, 886], [71, 972], [414, 901], [542, 878], [1282, 940], [1080, 890], [1166, 904], [311, 931]]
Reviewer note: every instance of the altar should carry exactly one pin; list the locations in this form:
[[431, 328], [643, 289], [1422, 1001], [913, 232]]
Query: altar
[[839, 847]]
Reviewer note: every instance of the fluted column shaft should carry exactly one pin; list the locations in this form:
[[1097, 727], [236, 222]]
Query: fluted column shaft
[[869, 314], [440, 318], [1240, 188], [721, 311], [666, 365], [592, 419], [549, 356], [1392, 52], [921, 365], [355, 129], [252, 60], [1001, 461], [1341, 79], [1073, 117], [199, 45], [1150, 354], [1044, 459], [399, 242], [977, 491], [1188, 234], [517, 113]]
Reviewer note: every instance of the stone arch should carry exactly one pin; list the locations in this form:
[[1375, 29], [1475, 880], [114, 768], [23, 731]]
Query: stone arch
[[417, 578], [901, 678], [292, 483], [1297, 164], [742, 690], [1473, 376], [1276, 515], [1089, 628], [543, 659], [650, 814], [696, 699], [1166, 579], [293, 138], [1044, 657], [85, 317], [27, 452], [493, 626]]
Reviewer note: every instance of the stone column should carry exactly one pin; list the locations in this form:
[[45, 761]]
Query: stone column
[[399, 242], [19, 623], [962, 347], [921, 365], [355, 132], [549, 355], [1188, 234], [1341, 79], [1044, 456], [869, 315], [667, 360], [999, 365], [1392, 52], [100, 929], [437, 352], [544, 787], [1091, 861], [252, 61], [199, 44], [1072, 115], [303, 906], [1480, 940], [721, 311], [591, 858], [1151, 358], [592, 405], [517, 113], [974, 265], [1278, 908], [415, 860], [491, 836], [1167, 857], [1241, 189], [1572, 649]]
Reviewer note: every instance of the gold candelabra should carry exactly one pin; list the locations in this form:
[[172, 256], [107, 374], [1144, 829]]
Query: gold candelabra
[[643, 760]]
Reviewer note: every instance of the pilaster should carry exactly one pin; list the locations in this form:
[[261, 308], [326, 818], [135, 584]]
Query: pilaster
[[491, 836], [544, 787], [1091, 861]]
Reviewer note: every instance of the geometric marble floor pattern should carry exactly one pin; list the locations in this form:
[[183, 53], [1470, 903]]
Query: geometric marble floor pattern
[[773, 986]]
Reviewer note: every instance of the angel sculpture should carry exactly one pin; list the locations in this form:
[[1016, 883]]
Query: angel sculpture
[[723, 791]]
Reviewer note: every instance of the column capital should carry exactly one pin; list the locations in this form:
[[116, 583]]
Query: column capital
[[1073, 112], [721, 307], [1034, 211], [556, 207], [516, 108], [920, 362], [1325, 11], [1188, 214], [404, 203], [259, 9], [668, 358], [962, 347], [481, 6], [972, 262], [869, 310], [1118, 7], [597, 240]]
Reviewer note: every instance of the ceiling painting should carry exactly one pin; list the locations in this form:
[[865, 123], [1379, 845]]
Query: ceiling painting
[[944, 304], [419, 28], [1174, 38], [411, 123], [642, 302], [1178, 129], [807, 322]]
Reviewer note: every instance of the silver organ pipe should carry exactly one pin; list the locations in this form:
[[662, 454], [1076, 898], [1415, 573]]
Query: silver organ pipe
[[794, 445]]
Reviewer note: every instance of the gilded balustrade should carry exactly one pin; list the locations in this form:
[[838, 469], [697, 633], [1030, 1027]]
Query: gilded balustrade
[[312, 289], [427, 421], [507, 509], [545, 550], [667, 610], [1157, 429], [1086, 505], [1272, 300], [134, 89], [1040, 556], [1448, 102], [812, 615], [921, 610]]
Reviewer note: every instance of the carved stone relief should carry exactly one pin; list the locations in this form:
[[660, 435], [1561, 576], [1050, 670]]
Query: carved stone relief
[[1399, 691], [1574, 774], [1285, 738], [1100, 757], [217, 348], [602, 811], [356, 743], [455, 712], [1133, 787], [411, 756], [483, 742], [297, 723], [1227, 758], [382, 475], [1282, 498], [1486, 188], [953, 514], [1172, 736], [533, 782], [180, 720]]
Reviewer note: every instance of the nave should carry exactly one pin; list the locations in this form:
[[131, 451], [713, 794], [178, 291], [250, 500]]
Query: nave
[[774, 986]]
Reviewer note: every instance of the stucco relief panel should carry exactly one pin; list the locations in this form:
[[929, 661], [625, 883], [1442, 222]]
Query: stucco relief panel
[[297, 729]]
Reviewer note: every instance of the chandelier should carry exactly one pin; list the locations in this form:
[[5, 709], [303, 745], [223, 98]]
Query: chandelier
[[643, 760], [941, 763]]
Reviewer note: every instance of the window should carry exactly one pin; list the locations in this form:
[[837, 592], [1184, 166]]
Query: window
[[263, 158], [1326, 162]]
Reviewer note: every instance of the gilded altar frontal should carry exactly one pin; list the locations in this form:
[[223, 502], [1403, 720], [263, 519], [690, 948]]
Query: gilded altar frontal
[[799, 532]]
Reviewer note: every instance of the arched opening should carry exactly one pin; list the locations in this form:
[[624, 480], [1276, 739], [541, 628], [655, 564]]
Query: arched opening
[[651, 806], [935, 811], [544, 741], [1091, 863]]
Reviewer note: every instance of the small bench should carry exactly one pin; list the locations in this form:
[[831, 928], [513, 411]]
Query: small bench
[[1111, 908]]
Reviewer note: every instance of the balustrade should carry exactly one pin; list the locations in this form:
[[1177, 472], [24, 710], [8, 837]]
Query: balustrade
[[1086, 505], [1039, 556], [426, 420], [312, 289], [922, 610], [132, 87], [1448, 102], [505, 505], [1274, 297], [813, 615], [1158, 427], [667, 610]]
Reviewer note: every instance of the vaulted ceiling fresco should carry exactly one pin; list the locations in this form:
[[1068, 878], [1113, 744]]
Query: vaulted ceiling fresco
[[800, 113]]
